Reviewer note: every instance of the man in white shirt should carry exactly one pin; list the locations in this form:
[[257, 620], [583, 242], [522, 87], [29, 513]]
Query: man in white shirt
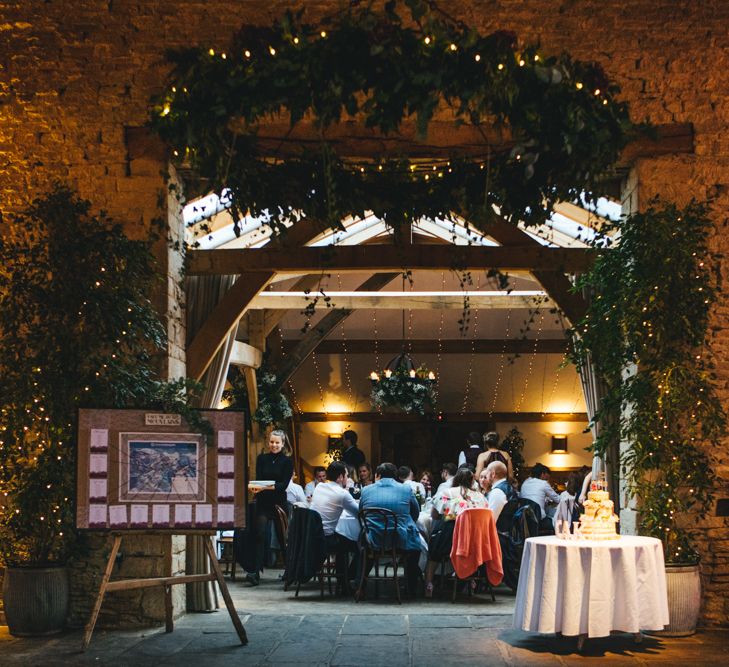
[[498, 496], [538, 489], [294, 492], [446, 474], [320, 475], [405, 475], [331, 499]]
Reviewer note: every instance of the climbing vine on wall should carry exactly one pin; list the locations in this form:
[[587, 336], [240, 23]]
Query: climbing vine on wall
[[646, 331]]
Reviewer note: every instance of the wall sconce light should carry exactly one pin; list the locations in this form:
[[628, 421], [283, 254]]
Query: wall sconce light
[[559, 444]]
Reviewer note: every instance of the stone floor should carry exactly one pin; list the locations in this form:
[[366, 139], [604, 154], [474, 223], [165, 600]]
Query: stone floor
[[283, 630]]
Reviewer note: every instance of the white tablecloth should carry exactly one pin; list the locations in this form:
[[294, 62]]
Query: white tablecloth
[[591, 587]]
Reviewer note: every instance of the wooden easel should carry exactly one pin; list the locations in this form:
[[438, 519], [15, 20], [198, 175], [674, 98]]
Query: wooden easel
[[215, 574]]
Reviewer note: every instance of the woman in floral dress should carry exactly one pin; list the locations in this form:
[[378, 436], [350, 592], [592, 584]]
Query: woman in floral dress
[[461, 496]]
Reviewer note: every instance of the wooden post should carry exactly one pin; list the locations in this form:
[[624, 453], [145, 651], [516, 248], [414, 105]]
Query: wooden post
[[215, 566], [169, 620], [102, 590]]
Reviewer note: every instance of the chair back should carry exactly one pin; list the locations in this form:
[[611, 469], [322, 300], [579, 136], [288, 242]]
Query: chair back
[[383, 523], [282, 526]]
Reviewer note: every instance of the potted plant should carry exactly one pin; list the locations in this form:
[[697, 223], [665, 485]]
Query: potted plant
[[76, 329], [646, 332]]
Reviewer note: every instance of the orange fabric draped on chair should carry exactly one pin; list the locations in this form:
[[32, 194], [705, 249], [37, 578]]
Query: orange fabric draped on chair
[[476, 542]]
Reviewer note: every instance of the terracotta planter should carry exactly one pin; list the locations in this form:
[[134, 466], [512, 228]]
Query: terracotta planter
[[684, 600], [36, 600]]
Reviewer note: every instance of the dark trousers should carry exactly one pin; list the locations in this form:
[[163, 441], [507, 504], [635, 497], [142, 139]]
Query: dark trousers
[[412, 570], [340, 546]]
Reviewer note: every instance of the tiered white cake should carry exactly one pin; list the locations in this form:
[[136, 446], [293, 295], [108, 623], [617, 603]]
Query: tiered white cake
[[598, 521]]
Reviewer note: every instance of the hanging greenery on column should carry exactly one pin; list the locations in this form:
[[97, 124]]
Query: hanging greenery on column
[[646, 330], [77, 329], [274, 409]]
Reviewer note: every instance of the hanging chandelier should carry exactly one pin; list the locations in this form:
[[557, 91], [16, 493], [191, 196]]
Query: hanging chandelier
[[402, 386]]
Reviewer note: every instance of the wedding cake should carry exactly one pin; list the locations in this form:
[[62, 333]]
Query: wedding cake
[[598, 521]]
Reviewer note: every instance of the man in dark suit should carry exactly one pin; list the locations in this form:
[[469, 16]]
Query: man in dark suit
[[388, 493], [351, 454]]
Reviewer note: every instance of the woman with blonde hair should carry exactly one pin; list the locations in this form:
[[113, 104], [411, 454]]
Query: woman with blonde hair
[[274, 465]]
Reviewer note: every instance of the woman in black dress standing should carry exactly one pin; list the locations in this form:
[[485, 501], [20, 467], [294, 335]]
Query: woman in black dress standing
[[276, 465]]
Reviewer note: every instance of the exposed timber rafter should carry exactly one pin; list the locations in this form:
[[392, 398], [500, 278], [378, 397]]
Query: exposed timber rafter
[[230, 309], [446, 346], [525, 257], [322, 329]]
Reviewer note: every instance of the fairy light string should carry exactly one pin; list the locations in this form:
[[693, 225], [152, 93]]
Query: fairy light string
[[502, 359], [530, 368]]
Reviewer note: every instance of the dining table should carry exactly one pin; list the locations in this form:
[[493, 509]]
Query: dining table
[[590, 588]]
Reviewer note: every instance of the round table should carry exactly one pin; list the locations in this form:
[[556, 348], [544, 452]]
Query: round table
[[588, 588]]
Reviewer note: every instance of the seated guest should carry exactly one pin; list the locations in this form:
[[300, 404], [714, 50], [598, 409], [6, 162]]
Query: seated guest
[[459, 497], [387, 493], [320, 475], [567, 509], [426, 479], [364, 473], [330, 499], [294, 492], [538, 489], [405, 475], [446, 474], [499, 489], [350, 477], [469, 455]]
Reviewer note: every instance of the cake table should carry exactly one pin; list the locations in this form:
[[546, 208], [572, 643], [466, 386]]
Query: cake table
[[588, 588]]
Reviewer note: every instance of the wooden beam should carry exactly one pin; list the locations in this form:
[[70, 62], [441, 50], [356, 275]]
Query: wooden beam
[[669, 139], [352, 139], [446, 417], [444, 139], [243, 354], [252, 386], [230, 309], [221, 321], [555, 283], [388, 257], [407, 301], [448, 346], [322, 329]]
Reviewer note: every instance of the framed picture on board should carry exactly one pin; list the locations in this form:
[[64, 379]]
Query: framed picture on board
[[138, 469]]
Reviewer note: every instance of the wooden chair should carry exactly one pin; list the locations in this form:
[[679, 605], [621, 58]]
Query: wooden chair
[[386, 554], [480, 575]]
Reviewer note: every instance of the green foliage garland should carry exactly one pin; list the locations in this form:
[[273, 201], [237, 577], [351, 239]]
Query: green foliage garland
[[560, 117], [273, 409], [646, 331], [77, 329]]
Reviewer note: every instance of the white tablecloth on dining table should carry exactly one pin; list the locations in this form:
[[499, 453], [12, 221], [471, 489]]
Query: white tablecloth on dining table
[[591, 587]]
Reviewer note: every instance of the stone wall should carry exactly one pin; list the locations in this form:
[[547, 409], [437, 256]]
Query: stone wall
[[74, 76]]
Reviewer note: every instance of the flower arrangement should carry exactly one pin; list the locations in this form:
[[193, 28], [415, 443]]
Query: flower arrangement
[[411, 391]]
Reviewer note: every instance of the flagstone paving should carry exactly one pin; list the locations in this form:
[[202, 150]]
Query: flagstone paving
[[308, 631]]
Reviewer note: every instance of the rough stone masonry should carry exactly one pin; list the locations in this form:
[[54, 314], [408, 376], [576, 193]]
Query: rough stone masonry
[[76, 77]]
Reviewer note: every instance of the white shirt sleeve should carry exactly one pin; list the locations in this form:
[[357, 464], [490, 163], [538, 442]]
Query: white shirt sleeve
[[461, 458], [349, 503], [550, 493], [496, 500]]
